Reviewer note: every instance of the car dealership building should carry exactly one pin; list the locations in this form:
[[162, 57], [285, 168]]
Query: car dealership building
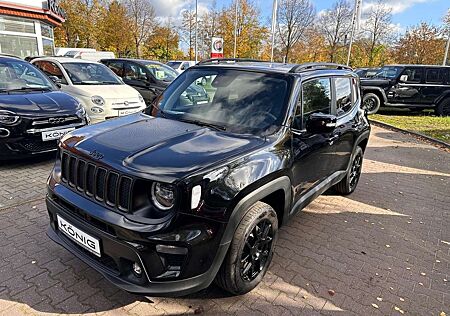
[[26, 26]]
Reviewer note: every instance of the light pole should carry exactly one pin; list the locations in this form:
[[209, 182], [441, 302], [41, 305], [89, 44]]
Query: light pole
[[235, 27], [444, 63], [274, 21], [196, 29]]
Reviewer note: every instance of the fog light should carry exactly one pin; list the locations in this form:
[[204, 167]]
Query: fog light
[[137, 269]]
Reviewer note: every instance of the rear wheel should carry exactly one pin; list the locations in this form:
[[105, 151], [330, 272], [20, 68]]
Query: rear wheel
[[251, 250], [349, 183], [443, 108], [371, 103]]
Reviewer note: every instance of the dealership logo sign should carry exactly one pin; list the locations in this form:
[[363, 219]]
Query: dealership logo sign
[[217, 47], [56, 9]]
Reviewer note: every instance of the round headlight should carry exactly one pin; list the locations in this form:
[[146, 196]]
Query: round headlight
[[96, 99], [141, 99], [163, 196], [8, 118]]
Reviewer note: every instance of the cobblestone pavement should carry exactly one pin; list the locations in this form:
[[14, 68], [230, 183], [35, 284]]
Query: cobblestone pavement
[[385, 250]]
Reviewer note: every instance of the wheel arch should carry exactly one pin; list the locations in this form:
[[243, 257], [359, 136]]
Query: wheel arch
[[377, 91], [270, 192]]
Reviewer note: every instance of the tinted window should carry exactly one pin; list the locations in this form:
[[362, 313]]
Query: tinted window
[[414, 74], [316, 97], [135, 72], [116, 67], [162, 72], [20, 75], [435, 75], [389, 72], [343, 95], [241, 101]]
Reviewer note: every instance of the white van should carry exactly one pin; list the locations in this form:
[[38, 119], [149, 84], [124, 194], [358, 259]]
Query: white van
[[92, 56], [180, 65], [61, 51], [102, 93]]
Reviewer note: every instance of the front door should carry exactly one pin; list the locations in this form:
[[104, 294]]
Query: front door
[[312, 153], [409, 90], [136, 76]]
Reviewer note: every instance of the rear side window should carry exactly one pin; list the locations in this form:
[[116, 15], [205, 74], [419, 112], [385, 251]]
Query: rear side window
[[343, 95], [414, 74]]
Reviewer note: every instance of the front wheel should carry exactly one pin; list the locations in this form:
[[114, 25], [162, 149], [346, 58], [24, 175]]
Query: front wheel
[[371, 103], [251, 250], [349, 183]]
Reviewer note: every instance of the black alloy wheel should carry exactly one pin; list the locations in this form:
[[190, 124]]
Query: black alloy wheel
[[371, 103], [256, 250]]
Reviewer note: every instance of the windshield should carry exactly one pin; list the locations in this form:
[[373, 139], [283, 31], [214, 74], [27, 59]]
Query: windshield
[[90, 74], [174, 64], [162, 72], [241, 101], [388, 72], [18, 75]]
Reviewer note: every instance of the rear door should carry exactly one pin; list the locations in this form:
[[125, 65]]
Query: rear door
[[435, 84]]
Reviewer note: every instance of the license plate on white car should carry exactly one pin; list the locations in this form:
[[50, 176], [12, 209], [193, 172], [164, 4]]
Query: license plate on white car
[[86, 241], [127, 112], [56, 133]]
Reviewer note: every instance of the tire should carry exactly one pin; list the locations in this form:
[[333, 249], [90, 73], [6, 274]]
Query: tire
[[371, 102], [232, 275], [350, 182], [443, 108]]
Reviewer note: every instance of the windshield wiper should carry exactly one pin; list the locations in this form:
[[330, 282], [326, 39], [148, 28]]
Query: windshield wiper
[[27, 89], [201, 123]]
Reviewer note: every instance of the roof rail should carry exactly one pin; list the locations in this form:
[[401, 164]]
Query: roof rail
[[228, 60], [317, 66]]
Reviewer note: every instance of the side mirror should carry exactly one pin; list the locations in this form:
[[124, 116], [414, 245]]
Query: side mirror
[[403, 78], [319, 123], [56, 81]]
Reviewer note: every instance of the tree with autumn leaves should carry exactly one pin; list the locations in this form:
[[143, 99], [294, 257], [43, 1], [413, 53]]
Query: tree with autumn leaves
[[129, 28]]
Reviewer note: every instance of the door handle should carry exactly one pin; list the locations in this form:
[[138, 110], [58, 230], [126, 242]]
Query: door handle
[[332, 139]]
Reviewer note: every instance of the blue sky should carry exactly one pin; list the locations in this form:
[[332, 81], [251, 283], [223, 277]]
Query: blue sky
[[406, 13]]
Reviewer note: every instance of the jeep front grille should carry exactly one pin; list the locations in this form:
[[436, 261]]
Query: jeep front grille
[[95, 182]]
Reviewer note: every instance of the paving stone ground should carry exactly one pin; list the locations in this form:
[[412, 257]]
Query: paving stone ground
[[384, 250]]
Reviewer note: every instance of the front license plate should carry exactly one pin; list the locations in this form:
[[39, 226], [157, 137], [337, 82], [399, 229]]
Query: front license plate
[[86, 241], [127, 112], [56, 134]]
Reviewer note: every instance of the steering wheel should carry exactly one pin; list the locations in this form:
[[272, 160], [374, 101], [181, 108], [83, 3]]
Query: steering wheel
[[266, 115]]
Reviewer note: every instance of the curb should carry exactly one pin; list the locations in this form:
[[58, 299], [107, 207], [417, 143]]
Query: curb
[[437, 142]]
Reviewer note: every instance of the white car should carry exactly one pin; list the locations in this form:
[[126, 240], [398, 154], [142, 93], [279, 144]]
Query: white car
[[102, 93], [180, 65]]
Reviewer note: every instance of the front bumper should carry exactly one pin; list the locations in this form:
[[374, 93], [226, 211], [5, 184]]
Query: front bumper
[[122, 245]]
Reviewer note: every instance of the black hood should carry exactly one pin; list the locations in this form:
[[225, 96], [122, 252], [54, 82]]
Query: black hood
[[39, 103], [160, 148], [377, 82]]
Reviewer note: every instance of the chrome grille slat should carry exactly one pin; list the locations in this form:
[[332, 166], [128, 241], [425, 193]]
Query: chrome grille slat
[[99, 183]]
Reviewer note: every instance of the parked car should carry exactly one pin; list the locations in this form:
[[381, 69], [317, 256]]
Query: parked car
[[99, 90], [34, 114], [92, 56], [150, 78], [415, 87], [165, 204], [367, 72], [180, 65]]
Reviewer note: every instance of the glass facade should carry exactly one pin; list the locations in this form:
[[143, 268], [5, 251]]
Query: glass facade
[[25, 37]]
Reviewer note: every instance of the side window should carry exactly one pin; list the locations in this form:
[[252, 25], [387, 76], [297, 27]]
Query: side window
[[134, 72], [316, 96], [414, 74], [51, 69], [116, 67], [343, 95], [185, 66]]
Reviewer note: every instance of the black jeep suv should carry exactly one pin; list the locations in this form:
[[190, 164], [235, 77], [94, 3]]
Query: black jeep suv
[[416, 87], [166, 203]]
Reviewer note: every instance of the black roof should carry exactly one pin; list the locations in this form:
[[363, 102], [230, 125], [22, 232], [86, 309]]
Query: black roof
[[268, 66]]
